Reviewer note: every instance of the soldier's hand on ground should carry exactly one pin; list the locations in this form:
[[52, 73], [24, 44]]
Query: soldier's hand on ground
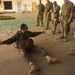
[[0, 42]]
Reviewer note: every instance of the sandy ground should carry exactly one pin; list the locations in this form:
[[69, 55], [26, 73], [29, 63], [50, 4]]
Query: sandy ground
[[12, 62]]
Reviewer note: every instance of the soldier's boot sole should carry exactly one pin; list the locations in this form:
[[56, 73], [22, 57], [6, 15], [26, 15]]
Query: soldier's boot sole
[[33, 70], [51, 59]]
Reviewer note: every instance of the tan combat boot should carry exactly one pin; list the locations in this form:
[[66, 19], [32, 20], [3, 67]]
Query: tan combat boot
[[33, 68], [37, 25], [65, 39], [62, 37], [53, 32], [42, 26], [51, 59], [47, 28], [71, 51]]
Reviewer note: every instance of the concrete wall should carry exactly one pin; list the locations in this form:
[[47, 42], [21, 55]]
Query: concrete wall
[[26, 5], [14, 6]]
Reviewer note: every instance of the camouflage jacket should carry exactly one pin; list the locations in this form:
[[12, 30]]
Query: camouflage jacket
[[18, 37], [67, 10], [40, 9], [48, 6], [55, 11]]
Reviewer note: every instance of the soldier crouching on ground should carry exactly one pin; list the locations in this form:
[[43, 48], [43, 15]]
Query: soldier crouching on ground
[[67, 12], [27, 45]]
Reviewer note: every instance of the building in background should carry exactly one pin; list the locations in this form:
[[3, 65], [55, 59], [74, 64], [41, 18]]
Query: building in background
[[19, 6]]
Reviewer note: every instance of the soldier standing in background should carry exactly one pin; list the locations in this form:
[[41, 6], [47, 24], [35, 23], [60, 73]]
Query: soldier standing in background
[[40, 11], [55, 15], [47, 13], [67, 12]]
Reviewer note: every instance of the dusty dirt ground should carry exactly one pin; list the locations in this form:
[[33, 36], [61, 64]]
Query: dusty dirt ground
[[12, 62]]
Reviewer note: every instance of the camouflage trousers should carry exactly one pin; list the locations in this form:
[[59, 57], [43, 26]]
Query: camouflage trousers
[[40, 19], [26, 53], [55, 23], [47, 19], [65, 28]]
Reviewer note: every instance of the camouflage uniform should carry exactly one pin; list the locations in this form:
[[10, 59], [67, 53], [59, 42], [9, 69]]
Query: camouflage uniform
[[27, 46], [48, 7], [55, 16], [67, 11], [22, 38], [40, 11]]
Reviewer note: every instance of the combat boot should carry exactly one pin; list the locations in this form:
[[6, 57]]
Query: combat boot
[[51, 59], [53, 32], [65, 39], [62, 37], [37, 25], [71, 51], [42, 26], [47, 28], [34, 68], [59, 31]]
